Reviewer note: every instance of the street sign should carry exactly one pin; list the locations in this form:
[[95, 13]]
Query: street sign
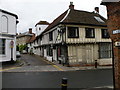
[[116, 31], [11, 44], [117, 43]]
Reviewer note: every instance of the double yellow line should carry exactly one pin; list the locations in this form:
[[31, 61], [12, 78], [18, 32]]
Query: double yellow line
[[60, 69], [1, 70]]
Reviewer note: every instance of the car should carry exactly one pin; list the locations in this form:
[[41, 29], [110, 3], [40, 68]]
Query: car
[[18, 55], [24, 52]]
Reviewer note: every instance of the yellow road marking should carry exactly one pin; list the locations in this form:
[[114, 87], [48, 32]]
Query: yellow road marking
[[54, 65], [8, 69], [57, 67]]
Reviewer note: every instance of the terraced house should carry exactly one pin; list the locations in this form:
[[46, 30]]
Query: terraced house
[[77, 37]]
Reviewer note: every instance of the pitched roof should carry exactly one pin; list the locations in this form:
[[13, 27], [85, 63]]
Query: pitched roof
[[42, 23], [109, 1], [72, 16], [9, 13], [31, 39]]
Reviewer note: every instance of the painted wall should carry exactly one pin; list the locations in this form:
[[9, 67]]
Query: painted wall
[[40, 28], [86, 54], [83, 39], [8, 31], [11, 22]]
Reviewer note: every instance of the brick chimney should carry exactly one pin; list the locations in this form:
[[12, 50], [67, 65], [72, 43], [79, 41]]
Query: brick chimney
[[30, 30], [71, 6], [97, 9]]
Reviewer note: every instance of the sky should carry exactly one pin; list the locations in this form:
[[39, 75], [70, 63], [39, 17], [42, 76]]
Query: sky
[[31, 12]]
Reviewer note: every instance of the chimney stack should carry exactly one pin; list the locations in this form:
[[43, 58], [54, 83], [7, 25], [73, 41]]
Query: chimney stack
[[97, 9], [71, 6], [30, 30]]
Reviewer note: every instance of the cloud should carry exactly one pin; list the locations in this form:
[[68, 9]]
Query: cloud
[[32, 11]]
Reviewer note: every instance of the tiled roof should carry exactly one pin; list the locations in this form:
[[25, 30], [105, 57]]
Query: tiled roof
[[42, 23], [72, 16], [110, 0], [24, 34], [104, 2], [32, 39], [56, 21]]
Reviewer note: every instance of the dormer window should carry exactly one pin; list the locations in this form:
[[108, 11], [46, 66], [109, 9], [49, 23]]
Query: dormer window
[[90, 32], [73, 32], [99, 19], [105, 33]]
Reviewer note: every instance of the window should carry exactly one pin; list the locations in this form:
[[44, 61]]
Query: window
[[49, 51], [90, 32], [99, 19], [4, 24], [2, 46], [50, 36], [73, 32], [105, 33], [105, 50]]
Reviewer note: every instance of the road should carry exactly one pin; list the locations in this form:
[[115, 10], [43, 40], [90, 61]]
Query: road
[[76, 79], [37, 73]]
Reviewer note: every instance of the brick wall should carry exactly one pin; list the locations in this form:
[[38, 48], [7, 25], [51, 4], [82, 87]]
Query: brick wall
[[113, 10]]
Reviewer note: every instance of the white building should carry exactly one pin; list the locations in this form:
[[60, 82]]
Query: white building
[[8, 26], [39, 27]]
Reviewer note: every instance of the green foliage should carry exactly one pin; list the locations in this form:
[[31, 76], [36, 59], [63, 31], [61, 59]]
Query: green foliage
[[22, 47]]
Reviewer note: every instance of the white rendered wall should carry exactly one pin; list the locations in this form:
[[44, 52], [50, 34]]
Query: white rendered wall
[[8, 35], [40, 28]]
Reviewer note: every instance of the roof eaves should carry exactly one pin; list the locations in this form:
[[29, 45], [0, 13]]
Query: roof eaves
[[9, 13], [104, 2], [66, 15], [84, 24]]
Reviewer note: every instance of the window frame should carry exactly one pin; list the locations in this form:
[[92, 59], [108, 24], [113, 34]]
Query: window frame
[[103, 51], [49, 51], [76, 29], [3, 47], [87, 31], [103, 33], [51, 36], [4, 18]]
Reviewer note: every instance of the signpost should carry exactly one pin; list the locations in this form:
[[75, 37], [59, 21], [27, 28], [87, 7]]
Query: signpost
[[11, 46]]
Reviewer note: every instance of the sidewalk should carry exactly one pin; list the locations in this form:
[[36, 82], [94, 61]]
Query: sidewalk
[[71, 68]]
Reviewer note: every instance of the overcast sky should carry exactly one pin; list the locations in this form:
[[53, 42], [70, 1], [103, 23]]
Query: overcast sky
[[32, 11]]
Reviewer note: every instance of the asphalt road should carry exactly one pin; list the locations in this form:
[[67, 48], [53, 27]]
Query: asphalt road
[[33, 60], [76, 79]]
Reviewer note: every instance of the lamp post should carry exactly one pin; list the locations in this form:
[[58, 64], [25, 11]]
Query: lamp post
[[11, 46]]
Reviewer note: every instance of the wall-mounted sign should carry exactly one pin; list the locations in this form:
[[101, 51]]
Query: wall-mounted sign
[[116, 31], [117, 44]]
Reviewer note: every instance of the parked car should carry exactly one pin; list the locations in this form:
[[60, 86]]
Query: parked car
[[18, 55], [24, 51]]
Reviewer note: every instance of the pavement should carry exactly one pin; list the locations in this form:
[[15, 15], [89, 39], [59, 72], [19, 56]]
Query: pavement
[[36, 63], [71, 68]]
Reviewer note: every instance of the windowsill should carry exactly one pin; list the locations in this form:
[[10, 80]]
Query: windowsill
[[2, 55], [105, 58], [105, 38], [73, 37]]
